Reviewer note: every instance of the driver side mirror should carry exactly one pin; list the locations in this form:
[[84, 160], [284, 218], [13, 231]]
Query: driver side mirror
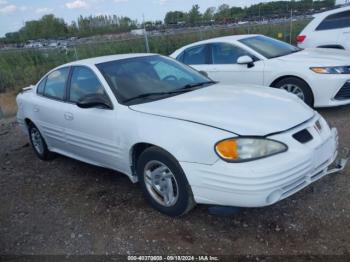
[[245, 60], [95, 101]]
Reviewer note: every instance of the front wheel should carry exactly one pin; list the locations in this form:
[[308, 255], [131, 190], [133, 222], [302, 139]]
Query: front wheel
[[297, 87], [164, 183]]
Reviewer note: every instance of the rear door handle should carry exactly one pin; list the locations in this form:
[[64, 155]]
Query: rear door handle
[[36, 108], [68, 116]]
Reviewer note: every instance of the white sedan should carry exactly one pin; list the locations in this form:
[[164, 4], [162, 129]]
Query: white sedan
[[185, 138], [320, 77]]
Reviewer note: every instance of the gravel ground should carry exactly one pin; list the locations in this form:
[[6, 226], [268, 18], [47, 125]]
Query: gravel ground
[[68, 207]]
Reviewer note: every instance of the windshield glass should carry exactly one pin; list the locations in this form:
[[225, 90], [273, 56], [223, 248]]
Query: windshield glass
[[269, 47], [143, 79]]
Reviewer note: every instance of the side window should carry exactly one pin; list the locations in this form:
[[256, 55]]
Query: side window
[[180, 57], [84, 82], [223, 53], [335, 21], [197, 55], [41, 87], [56, 83]]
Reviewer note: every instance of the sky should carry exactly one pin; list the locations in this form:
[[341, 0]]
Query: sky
[[13, 13]]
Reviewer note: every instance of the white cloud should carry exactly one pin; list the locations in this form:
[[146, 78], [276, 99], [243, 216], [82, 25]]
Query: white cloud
[[77, 4], [23, 8], [43, 10], [163, 2], [8, 9], [120, 1], [3, 2]]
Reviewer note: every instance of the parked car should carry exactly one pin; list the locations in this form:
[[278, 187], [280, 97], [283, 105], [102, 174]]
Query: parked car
[[330, 29], [320, 77], [185, 138]]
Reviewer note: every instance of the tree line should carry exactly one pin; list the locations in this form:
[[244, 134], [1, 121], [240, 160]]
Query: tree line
[[50, 26], [225, 12]]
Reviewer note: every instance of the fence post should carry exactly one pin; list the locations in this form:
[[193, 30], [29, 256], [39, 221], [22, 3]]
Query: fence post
[[1, 113], [75, 53], [145, 34]]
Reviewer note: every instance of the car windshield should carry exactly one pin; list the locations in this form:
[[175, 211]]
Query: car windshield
[[148, 78], [268, 47]]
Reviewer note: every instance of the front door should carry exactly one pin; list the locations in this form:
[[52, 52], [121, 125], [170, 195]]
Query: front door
[[224, 67], [90, 132]]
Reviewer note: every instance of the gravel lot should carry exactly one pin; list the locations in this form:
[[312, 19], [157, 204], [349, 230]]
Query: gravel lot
[[68, 207]]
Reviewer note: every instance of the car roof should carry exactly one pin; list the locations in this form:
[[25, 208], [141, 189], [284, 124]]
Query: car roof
[[230, 38], [103, 59], [225, 39], [333, 11]]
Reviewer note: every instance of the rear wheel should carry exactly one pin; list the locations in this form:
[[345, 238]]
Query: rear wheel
[[38, 143], [164, 183], [297, 87]]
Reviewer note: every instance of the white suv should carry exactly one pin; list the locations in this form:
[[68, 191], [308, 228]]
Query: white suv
[[329, 29]]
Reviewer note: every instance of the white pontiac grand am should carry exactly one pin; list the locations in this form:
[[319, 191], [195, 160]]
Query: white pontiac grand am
[[320, 77], [185, 138]]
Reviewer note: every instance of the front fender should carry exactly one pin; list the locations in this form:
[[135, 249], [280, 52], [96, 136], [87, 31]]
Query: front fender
[[186, 141]]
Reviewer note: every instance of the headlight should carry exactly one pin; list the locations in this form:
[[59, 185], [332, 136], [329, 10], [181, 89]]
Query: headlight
[[242, 149], [331, 70]]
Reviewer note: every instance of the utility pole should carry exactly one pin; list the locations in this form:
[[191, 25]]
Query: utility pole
[[145, 34], [291, 26]]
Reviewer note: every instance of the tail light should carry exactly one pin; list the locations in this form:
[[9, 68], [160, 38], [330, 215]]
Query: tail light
[[301, 38]]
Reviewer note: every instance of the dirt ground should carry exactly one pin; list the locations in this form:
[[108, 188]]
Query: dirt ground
[[68, 207]]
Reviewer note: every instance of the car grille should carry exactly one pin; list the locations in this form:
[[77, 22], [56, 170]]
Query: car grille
[[303, 136], [344, 92]]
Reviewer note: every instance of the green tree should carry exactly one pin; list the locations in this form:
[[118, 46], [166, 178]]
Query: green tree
[[194, 15], [209, 14]]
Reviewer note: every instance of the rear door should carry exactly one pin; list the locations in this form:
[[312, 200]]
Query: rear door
[[91, 133], [333, 31], [345, 31], [48, 108]]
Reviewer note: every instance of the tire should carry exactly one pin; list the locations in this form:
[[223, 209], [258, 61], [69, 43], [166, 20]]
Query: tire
[[153, 186], [38, 143], [292, 83]]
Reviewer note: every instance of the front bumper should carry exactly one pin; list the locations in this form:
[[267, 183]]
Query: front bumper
[[326, 87], [266, 181]]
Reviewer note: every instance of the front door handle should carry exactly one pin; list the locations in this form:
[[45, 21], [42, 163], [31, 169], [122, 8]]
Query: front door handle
[[68, 116], [36, 108]]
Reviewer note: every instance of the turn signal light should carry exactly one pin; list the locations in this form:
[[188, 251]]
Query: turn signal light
[[227, 149]]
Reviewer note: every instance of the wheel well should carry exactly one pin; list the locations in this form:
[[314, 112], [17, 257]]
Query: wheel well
[[28, 122], [136, 151], [332, 46], [274, 83]]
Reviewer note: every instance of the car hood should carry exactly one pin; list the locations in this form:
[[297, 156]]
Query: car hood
[[319, 57], [243, 109]]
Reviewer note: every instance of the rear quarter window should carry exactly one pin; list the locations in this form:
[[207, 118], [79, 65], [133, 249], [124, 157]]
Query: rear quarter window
[[41, 87], [335, 21]]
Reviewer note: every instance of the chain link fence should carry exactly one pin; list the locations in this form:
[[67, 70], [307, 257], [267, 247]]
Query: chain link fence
[[22, 67]]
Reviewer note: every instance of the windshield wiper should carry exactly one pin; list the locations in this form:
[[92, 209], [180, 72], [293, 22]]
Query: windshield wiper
[[197, 84], [184, 89]]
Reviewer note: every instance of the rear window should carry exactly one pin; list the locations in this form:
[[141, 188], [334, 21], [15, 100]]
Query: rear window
[[335, 21]]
